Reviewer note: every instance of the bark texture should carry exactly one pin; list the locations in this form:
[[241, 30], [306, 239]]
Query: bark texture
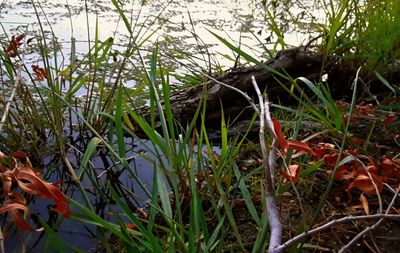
[[296, 62]]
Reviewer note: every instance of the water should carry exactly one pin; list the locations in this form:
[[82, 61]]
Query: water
[[174, 23]]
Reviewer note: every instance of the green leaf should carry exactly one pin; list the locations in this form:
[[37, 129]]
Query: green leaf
[[118, 122], [55, 244], [385, 82], [246, 196], [89, 153], [123, 16]]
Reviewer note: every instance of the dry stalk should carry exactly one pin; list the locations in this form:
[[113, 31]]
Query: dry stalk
[[17, 81], [269, 159], [269, 162]]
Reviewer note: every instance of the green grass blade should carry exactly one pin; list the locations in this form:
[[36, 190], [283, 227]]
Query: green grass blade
[[90, 217], [246, 196], [214, 236], [164, 196], [123, 16], [55, 244], [148, 130], [386, 83], [89, 153], [248, 57], [151, 241], [119, 104]]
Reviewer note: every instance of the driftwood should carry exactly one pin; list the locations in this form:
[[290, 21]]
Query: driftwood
[[295, 62]]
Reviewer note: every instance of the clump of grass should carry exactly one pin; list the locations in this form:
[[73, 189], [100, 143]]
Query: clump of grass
[[363, 34], [190, 207]]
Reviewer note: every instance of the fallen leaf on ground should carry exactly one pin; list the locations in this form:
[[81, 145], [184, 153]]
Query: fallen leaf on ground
[[364, 203]]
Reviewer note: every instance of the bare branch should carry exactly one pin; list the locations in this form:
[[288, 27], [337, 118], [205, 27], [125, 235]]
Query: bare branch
[[244, 94], [269, 163], [356, 238], [330, 224]]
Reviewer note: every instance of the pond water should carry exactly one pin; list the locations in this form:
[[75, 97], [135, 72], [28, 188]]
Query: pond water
[[171, 23], [182, 27]]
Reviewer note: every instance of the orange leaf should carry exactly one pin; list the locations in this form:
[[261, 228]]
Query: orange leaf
[[364, 203], [13, 208], [293, 175], [363, 183], [131, 226]]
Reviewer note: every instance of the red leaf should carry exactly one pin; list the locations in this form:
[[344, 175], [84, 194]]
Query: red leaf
[[323, 148], [32, 184], [29, 40], [388, 119], [14, 209], [256, 198], [330, 159], [12, 49], [19, 155], [39, 72], [357, 141], [344, 172], [290, 144], [293, 175], [23, 174], [300, 146], [281, 138], [391, 168]]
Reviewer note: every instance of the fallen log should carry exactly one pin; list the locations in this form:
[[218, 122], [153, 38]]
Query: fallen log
[[293, 62]]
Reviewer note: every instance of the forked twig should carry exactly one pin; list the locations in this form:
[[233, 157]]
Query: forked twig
[[269, 162]]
